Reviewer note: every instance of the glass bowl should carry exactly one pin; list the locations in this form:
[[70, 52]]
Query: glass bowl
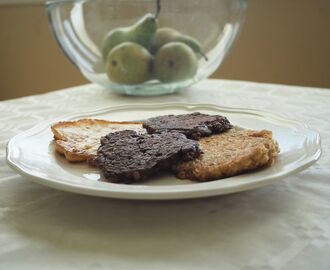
[[82, 26]]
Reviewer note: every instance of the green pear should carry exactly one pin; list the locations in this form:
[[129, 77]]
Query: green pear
[[175, 61], [129, 63], [163, 35], [166, 35], [142, 32]]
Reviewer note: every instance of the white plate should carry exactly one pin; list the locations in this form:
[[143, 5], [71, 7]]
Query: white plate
[[32, 154]]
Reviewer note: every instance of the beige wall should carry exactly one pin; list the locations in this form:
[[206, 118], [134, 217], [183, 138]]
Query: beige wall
[[283, 41], [30, 59]]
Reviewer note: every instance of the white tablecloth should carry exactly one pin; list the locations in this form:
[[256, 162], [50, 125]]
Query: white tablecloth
[[282, 226]]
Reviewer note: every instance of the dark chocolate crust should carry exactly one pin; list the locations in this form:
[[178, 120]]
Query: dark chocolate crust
[[127, 156], [194, 125]]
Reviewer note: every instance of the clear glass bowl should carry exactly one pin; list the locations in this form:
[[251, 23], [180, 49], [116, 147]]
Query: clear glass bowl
[[80, 27]]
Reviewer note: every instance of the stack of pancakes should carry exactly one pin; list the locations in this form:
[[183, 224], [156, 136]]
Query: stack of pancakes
[[195, 146]]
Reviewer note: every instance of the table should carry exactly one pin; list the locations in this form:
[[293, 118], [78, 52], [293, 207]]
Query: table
[[285, 225]]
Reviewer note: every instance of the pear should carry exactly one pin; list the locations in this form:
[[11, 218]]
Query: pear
[[192, 43], [142, 32], [129, 63], [165, 35], [175, 61]]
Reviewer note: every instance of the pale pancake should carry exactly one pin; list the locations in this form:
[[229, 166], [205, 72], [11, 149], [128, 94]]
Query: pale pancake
[[79, 140]]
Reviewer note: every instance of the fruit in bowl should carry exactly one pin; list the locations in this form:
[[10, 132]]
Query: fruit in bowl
[[165, 35], [146, 47], [142, 52], [175, 61], [143, 32], [129, 63]]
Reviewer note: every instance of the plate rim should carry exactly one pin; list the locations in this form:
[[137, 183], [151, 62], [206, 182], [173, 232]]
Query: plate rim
[[146, 194]]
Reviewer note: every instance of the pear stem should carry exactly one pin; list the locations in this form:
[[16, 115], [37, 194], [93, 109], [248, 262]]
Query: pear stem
[[204, 56], [159, 6]]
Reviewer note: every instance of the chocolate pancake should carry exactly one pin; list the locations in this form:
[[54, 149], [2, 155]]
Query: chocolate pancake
[[194, 125], [127, 156]]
